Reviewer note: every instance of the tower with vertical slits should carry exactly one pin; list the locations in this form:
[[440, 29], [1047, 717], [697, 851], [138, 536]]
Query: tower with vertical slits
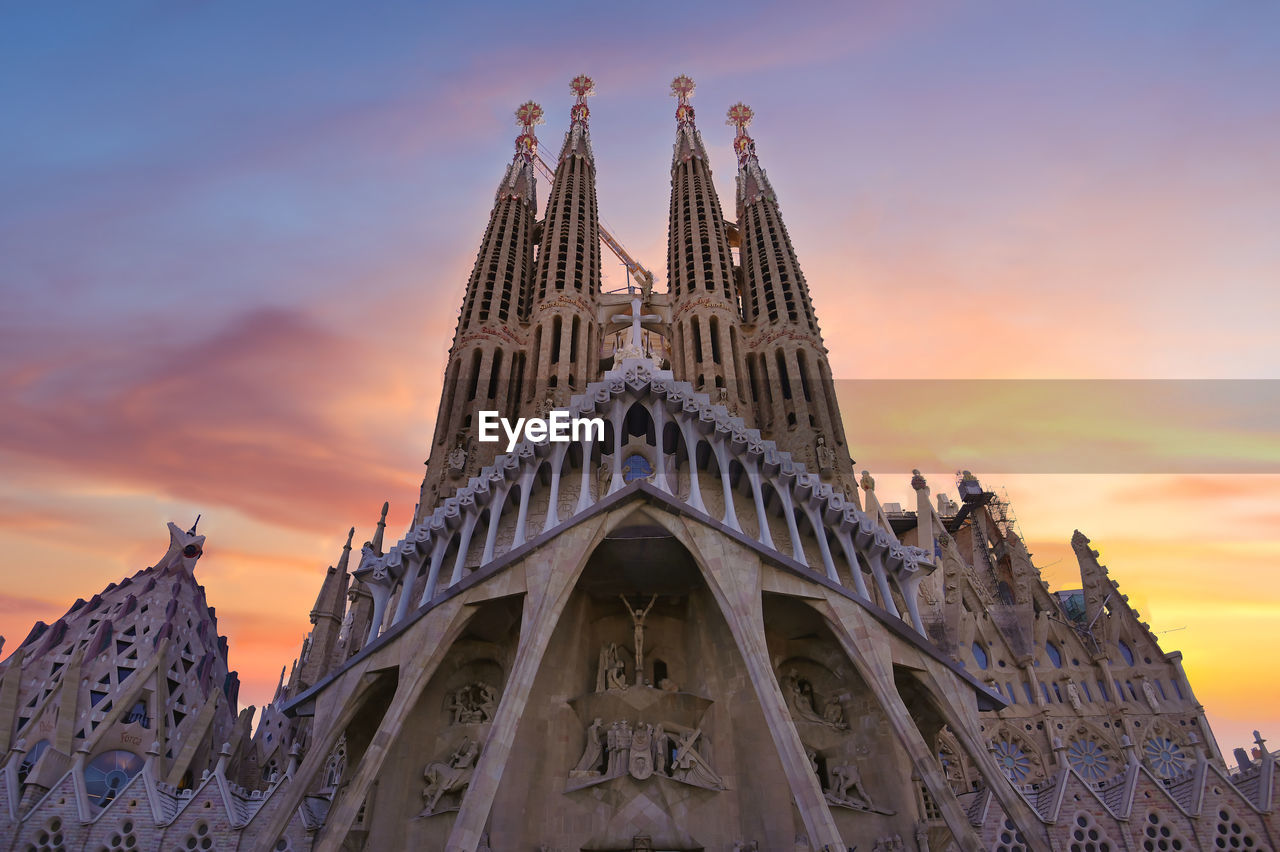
[[564, 336], [488, 359], [787, 367], [705, 319]]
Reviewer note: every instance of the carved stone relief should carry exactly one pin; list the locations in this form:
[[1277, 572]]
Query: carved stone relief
[[449, 778], [472, 704]]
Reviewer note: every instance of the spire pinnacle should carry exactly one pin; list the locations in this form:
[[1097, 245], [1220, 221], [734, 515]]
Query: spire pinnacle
[[528, 116], [744, 146], [682, 89], [582, 87]]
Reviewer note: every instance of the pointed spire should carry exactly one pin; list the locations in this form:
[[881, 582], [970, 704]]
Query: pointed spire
[[518, 182], [753, 184], [688, 139], [1097, 586], [578, 140], [345, 559], [569, 258], [382, 528]]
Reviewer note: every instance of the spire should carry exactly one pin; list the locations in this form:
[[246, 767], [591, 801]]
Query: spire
[[577, 141], [345, 559], [518, 182], [382, 527], [705, 319], [565, 339], [570, 255], [1098, 587], [775, 289], [752, 182], [328, 614], [487, 360], [688, 139], [787, 361]]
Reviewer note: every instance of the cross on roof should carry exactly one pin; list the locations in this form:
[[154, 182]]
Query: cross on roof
[[529, 115], [635, 318], [740, 116], [582, 86], [682, 88]]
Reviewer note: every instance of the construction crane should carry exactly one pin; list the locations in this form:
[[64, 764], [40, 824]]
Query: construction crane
[[642, 276]]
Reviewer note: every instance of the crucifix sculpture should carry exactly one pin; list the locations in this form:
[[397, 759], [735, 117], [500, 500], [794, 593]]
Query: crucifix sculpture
[[637, 618]]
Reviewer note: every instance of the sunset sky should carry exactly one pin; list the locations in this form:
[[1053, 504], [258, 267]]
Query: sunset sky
[[233, 239]]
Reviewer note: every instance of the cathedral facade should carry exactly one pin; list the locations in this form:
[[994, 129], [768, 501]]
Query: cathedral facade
[[700, 630]]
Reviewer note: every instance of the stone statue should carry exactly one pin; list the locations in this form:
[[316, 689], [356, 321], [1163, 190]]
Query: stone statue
[[1073, 695], [799, 695], [640, 760], [451, 777], [833, 713], [472, 704], [1150, 694], [825, 455], [661, 748], [867, 482], [618, 746], [457, 458], [589, 765], [637, 618], [690, 766], [488, 699], [611, 673], [846, 785]]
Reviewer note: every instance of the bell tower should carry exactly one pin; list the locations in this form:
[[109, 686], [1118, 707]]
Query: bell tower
[[787, 366], [488, 359], [565, 336], [706, 349]]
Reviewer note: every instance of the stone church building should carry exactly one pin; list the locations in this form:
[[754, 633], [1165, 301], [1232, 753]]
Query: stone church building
[[699, 631]]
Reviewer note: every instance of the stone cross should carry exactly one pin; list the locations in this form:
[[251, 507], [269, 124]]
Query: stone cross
[[635, 318]]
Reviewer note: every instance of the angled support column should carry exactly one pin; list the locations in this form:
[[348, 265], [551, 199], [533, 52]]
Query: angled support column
[[880, 682], [438, 633], [549, 587], [740, 602], [286, 800], [1016, 807]]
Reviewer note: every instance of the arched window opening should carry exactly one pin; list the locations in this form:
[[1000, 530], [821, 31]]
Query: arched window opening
[[494, 372], [474, 376], [784, 380]]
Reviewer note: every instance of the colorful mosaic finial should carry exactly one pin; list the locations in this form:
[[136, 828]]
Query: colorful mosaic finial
[[582, 87], [528, 116], [740, 116], [682, 89]]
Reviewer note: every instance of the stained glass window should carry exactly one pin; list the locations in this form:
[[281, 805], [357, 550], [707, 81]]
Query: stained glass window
[[1087, 758], [1165, 757], [1012, 759], [106, 775]]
